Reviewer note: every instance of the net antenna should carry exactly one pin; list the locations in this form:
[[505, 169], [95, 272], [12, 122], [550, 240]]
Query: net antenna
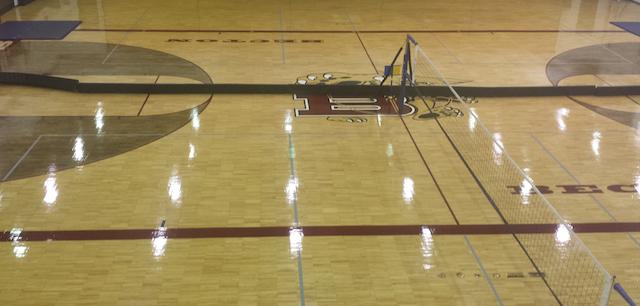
[[572, 274], [407, 71]]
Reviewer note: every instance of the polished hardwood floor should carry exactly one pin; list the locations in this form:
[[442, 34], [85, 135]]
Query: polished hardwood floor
[[233, 199]]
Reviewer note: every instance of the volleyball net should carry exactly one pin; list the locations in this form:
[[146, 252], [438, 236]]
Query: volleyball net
[[567, 267]]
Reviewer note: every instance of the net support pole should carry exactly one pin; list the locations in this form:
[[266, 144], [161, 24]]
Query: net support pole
[[386, 75], [624, 294], [403, 83]]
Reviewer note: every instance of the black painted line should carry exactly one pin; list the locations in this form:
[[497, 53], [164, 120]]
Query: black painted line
[[72, 85], [147, 98], [347, 31], [469, 245], [362, 44], [367, 52], [603, 80], [424, 162], [632, 99]]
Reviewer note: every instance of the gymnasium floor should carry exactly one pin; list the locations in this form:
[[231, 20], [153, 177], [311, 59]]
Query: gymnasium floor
[[188, 199]]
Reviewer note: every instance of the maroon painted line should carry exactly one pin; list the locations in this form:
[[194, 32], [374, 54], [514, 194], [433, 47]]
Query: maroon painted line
[[346, 31], [362, 230], [618, 227], [350, 230]]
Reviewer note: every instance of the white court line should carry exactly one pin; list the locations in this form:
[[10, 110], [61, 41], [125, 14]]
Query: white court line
[[21, 159], [110, 53]]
